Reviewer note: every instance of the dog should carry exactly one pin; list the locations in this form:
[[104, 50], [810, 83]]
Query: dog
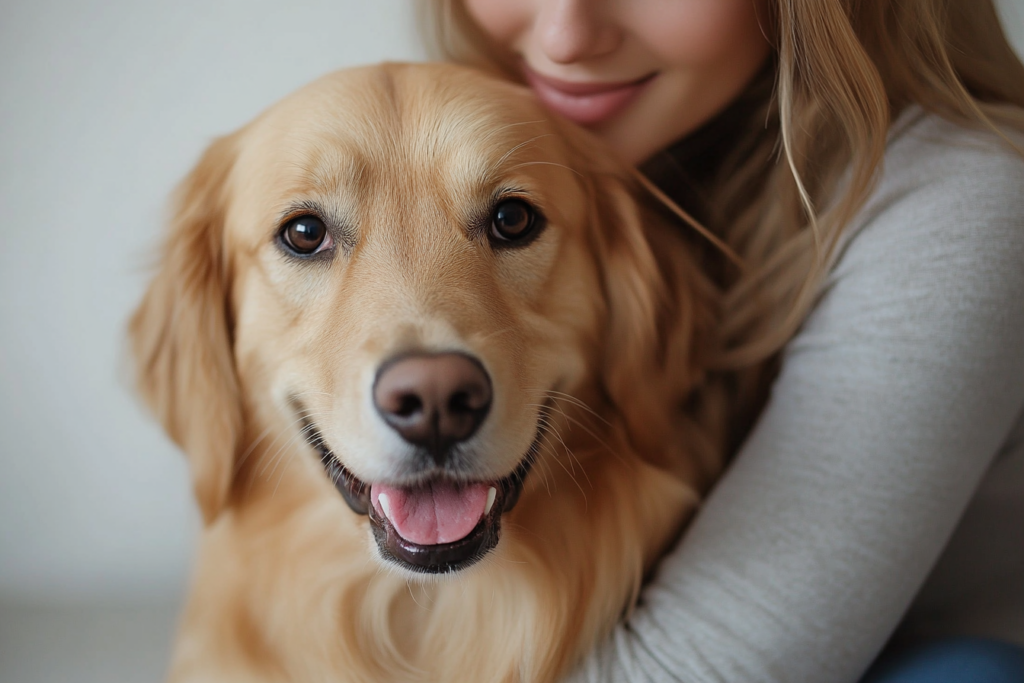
[[440, 373]]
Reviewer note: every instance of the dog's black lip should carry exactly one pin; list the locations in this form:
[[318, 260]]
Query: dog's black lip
[[355, 492], [428, 559]]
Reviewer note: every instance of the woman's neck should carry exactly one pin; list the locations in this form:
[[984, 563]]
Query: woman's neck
[[687, 170]]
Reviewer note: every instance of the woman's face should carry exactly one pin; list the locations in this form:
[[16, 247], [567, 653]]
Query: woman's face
[[639, 73]]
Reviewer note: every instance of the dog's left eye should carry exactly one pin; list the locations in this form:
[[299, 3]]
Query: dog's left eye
[[513, 220], [306, 235]]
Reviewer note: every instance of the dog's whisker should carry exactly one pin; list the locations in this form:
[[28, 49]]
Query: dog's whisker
[[496, 166], [241, 461], [551, 428], [573, 459], [541, 469], [521, 145], [589, 431], [281, 478], [557, 395], [500, 129], [267, 460], [248, 451], [301, 434], [261, 462], [546, 163], [412, 595], [585, 427], [288, 429], [303, 414], [566, 449], [572, 456], [547, 477], [562, 396], [572, 474], [553, 408]]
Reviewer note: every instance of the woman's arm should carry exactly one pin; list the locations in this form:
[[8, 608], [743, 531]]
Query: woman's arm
[[892, 402]]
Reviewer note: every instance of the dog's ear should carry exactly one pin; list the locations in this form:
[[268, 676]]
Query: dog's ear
[[181, 333], [661, 313]]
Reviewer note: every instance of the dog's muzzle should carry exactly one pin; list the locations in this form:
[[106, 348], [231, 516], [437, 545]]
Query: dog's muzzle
[[441, 523]]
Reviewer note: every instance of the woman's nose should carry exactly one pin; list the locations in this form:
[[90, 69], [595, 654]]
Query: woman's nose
[[576, 30]]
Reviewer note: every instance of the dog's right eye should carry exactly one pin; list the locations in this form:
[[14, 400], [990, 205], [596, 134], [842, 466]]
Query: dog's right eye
[[513, 220], [306, 235]]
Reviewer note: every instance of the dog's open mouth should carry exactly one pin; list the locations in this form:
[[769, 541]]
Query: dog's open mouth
[[437, 526], [442, 526]]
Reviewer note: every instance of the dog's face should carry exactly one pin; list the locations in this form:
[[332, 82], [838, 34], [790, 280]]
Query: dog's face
[[403, 266], [412, 288]]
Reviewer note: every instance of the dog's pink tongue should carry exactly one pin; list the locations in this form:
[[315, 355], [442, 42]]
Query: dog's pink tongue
[[440, 512]]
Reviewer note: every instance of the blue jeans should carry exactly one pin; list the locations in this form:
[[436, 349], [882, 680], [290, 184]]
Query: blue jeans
[[952, 660]]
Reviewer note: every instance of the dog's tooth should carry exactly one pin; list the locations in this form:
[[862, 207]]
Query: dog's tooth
[[491, 492], [385, 505]]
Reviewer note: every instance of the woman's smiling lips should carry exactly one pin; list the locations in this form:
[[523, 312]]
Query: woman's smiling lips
[[583, 102]]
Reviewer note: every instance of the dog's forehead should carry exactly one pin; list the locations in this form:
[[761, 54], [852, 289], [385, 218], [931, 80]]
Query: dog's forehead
[[406, 123]]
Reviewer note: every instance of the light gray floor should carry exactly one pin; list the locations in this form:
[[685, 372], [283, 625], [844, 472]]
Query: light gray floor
[[85, 643]]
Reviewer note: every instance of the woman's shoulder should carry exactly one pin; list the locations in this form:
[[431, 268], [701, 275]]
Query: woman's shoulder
[[957, 163], [946, 191], [940, 242]]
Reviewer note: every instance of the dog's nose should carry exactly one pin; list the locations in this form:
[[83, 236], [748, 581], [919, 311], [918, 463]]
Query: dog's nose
[[433, 401]]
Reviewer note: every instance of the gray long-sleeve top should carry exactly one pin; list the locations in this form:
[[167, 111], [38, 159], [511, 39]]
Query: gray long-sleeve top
[[899, 406]]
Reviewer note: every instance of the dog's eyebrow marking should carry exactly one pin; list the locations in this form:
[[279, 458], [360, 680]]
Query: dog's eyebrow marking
[[340, 228], [546, 163], [493, 171], [499, 129]]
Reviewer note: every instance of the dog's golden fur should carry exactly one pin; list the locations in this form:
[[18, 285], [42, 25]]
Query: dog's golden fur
[[604, 318]]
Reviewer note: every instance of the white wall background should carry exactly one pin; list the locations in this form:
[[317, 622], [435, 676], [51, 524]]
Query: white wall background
[[103, 107]]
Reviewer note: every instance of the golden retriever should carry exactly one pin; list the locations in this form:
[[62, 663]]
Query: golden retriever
[[436, 372]]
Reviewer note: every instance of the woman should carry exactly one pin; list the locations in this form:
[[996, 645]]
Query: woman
[[866, 160]]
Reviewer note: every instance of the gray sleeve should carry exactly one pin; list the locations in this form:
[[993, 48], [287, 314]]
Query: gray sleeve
[[892, 401]]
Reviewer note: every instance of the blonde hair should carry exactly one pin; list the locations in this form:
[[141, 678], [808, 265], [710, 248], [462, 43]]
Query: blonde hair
[[843, 70]]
